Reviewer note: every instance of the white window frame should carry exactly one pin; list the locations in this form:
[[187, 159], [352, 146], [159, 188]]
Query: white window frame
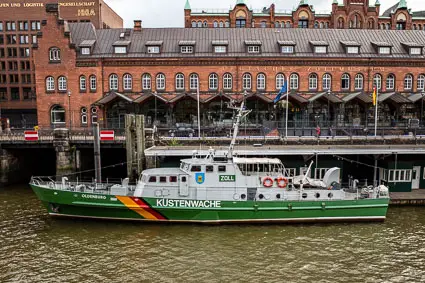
[[180, 81], [50, 83], [85, 50], [113, 82], [384, 50], [186, 49], [390, 81], [326, 81], [408, 82], [160, 81], [353, 50], [120, 49], [287, 49], [345, 78], [415, 51], [253, 49], [320, 49], [227, 81], [261, 81], [84, 120], [93, 83], [358, 81], [54, 111], [312, 81], [62, 83], [399, 175], [246, 81], [377, 81], [294, 81], [421, 82], [127, 82], [319, 173], [194, 81], [220, 49], [54, 54], [213, 81], [153, 49], [146, 82], [280, 80], [83, 83]]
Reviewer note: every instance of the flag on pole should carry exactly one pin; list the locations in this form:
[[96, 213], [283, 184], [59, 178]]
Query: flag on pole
[[284, 89], [374, 98]]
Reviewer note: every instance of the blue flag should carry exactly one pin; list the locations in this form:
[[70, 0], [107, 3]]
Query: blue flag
[[284, 89]]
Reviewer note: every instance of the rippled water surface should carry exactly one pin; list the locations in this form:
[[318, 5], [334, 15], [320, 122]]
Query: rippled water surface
[[37, 248]]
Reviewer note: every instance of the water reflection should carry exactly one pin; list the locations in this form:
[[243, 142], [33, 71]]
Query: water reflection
[[38, 248]]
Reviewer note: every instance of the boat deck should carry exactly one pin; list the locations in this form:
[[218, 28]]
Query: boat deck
[[415, 197]]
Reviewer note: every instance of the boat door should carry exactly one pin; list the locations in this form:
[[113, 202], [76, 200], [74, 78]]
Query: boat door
[[416, 175], [183, 185]]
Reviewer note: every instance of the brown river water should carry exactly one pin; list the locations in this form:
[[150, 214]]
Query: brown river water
[[37, 248]]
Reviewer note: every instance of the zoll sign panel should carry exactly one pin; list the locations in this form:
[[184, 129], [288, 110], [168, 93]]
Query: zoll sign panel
[[107, 135], [31, 135]]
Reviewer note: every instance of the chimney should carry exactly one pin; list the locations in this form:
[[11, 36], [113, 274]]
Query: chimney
[[137, 25]]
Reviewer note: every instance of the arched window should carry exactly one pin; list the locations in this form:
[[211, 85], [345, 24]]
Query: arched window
[[213, 81], [419, 27], [215, 24], [421, 82], [253, 24], [54, 54], [93, 83], [345, 81], [280, 81], [282, 24], [246, 81], [113, 82], [390, 81], [127, 82], [326, 24], [180, 81], [199, 24], [293, 81], [414, 26], [326, 81], [261, 81], [221, 24], [371, 24], [340, 23], [355, 21], [358, 81], [205, 24], [194, 81], [312, 81], [50, 84], [62, 85], [277, 24], [146, 82], [408, 81], [263, 24], [83, 83], [316, 24], [227, 81], [288, 24], [321, 25], [160, 81], [93, 111], [227, 24], [57, 115], [377, 81], [193, 24], [83, 113]]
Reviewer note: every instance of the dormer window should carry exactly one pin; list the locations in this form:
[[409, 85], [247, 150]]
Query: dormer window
[[254, 46], [153, 47], [186, 49], [85, 51], [384, 50], [415, 51], [353, 50], [220, 46], [351, 47], [121, 46], [413, 48], [86, 46], [187, 46], [319, 47], [253, 49], [286, 47]]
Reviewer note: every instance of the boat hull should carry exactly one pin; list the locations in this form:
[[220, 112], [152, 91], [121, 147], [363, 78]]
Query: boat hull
[[104, 206]]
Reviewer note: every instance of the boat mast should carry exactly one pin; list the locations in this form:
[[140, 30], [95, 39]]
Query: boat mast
[[241, 114]]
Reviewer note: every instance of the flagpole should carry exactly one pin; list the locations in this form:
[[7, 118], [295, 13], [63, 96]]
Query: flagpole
[[376, 109], [199, 117], [287, 105]]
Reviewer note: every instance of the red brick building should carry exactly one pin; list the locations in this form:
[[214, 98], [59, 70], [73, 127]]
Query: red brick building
[[104, 74], [20, 25], [350, 14]]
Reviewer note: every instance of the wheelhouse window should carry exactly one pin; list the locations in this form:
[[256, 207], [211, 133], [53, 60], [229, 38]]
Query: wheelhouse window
[[162, 179], [57, 115], [152, 179], [213, 81], [50, 84], [221, 168], [113, 82], [220, 49], [62, 84], [173, 179], [83, 83], [146, 82], [195, 168], [246, 81], [227, 81], [180, 81], [127, 82], [209, 168], [54, 54]]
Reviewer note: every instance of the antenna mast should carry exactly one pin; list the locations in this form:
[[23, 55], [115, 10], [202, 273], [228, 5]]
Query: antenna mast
[[241, 114]]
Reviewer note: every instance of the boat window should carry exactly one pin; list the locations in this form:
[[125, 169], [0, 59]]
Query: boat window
[[152, 179], [173, 179], [184, 179], [163, 179], [195, 168], [221, 168], [209, 168]]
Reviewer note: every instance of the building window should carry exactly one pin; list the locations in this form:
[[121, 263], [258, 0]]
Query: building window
[[193, 81], [263, 24], [83, 85], [377, 81], [127, 82], [83, 116], [293, 81], [227, 81], [288, 24], [326, 81], [62, 84], [280, 81], [312, 81], [415, 51], [221, 24], [213, 81], [35, 25], [199, 24], [205, 24], [352, 50], [10, 26], [220, 49], [215, 24], [384, 50], [408, 82], [54, 54], [153, 49], [303, 24], [421, 82], [277, 24], [246, 81], [85, 51], [227, 24], [240, 23], [113, 82], [399, 175], [180, 81], [287, 49], [261, 81], [93, 111], [340, 23], [57, 115], [345, 81], [400, 26], [160, 81], [193, 24], [1, 26], [120, 49], [320, 49], [358, 81], [186, 49], [93, 83], [316, 24], [50, 84], [146, 81], [390, 81], [253, 49]]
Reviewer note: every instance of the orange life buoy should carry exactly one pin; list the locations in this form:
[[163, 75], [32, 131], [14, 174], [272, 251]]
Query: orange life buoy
[[282, 182], [267, 182]]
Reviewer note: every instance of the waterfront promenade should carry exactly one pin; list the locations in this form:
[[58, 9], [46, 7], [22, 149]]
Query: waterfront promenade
[[415, 197]]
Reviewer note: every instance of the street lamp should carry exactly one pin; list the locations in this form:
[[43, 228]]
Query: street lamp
[[329, 94], [422, 106], [69, 109]]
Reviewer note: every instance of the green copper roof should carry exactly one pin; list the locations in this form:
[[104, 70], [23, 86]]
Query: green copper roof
[[187, 6], [402, 4], [335, 2], [240, 2], [377, 3], [303, 2]]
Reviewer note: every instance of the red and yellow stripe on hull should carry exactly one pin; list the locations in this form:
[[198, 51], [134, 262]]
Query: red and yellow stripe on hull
[[141, 208]]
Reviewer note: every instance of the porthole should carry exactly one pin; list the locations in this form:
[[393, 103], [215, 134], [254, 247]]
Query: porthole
[[317, 195], [260, 196], [304, 195], [330, 195], [278, 196], [243, 196]]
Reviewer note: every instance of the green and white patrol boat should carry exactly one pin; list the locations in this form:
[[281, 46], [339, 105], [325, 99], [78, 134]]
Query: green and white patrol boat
[[217, 188]]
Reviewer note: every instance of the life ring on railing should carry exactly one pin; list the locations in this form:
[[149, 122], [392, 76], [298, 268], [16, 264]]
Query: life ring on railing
[[267, 182], [282, 182], [51, 185]]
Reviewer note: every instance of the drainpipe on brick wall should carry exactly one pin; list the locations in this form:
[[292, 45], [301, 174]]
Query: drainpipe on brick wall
[[103, 91]]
